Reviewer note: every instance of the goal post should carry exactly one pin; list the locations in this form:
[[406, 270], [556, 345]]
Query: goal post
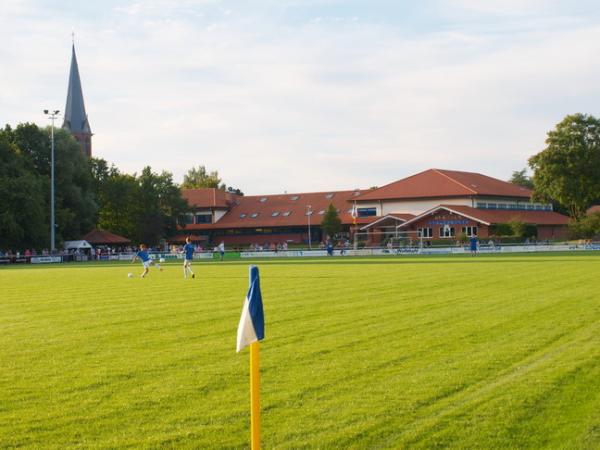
[[390, 238]]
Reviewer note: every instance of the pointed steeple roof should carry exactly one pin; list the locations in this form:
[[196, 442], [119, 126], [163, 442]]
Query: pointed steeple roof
[[76, 120]]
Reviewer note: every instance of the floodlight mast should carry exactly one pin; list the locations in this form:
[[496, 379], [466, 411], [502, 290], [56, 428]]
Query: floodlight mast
[[308, 214], [52, 116]]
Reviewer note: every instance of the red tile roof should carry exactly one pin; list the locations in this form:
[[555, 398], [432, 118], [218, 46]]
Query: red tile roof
[[593, 209], [437, 183], [208, 198], [97, 236], [496, 216], [285, 210]]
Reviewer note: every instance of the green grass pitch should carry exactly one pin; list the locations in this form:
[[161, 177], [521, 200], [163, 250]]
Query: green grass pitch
[[406, 352]]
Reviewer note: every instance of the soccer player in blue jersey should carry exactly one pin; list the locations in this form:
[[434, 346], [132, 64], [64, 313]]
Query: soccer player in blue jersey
[[188, 255], [473, 245], [143, 256]]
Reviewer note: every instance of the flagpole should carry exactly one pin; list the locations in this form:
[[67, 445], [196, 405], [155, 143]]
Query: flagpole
[[255, 395]]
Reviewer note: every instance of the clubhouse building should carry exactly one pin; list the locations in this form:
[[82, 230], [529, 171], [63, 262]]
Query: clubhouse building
[[433, 205]]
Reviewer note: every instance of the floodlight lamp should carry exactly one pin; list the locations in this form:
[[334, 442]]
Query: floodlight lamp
[[45, 111]]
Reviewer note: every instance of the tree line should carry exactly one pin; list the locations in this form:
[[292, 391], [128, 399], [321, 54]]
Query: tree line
[[89, 193]]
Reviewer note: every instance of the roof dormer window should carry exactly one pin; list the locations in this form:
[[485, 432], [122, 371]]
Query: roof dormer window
[[263, 199]]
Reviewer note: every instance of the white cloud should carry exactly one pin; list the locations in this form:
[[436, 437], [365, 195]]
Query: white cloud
[[330, 105]]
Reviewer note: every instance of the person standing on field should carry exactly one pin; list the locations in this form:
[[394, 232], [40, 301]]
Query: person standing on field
[[143, 256], [188, 255], [222, 249], [473, 245]]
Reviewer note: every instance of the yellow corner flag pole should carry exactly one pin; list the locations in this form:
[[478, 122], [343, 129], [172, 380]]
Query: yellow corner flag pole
[[251, 330], [255, 395]]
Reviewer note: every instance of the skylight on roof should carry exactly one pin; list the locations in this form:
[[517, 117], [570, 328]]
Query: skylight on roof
[[286, 213], [329, 196], [254, 215], [294, 197], [242, 215], [321, 212], [275, 214], [309, 212], [263, 199]]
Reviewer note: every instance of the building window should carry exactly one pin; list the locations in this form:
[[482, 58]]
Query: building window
[[470, 231], [254, 215], [367, 212], [186, 219], [321, 212], [294, 197], [203, 218], [275, 214], [287, 213], [425, 232], [263, 199], [242, 215], [309, 212], [446, 231]]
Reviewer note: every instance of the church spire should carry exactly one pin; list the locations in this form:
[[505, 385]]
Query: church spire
[[76, 120]]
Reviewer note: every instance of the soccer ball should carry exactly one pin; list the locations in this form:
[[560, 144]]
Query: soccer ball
[[130, 275], [162, 260]]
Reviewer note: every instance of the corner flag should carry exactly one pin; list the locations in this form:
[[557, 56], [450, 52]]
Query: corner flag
[[252, 322]]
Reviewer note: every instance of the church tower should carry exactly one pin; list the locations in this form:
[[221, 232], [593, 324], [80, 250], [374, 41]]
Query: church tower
[[76, 120]]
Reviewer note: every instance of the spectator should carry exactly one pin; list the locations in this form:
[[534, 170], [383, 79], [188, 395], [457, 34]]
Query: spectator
[[329, 248]]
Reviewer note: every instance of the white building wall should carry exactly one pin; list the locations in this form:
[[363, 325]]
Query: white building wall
[[418, 206]]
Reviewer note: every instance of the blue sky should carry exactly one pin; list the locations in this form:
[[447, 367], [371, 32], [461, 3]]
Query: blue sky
[[307, 95]]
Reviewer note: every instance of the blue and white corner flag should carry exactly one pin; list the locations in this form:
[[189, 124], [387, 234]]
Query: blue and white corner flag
[[252, 322]]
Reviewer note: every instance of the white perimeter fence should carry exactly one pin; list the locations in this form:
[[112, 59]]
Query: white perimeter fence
[[425, 251], [483, 249]]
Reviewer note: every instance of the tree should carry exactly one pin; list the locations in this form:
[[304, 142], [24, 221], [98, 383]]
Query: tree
[[568, 169], [587, 227], [76, 207], [23, 216], [200, 178], [517, 228], [118, 196], [162, 205], [143, 208], [331, 223], [520, 178]]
